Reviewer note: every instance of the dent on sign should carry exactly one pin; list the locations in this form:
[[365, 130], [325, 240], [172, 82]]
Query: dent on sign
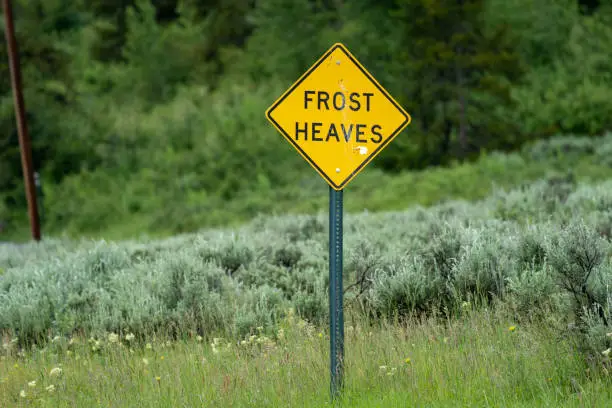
[[337, 116]]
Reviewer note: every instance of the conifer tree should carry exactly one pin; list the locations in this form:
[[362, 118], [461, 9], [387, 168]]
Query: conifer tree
[[456, 75]]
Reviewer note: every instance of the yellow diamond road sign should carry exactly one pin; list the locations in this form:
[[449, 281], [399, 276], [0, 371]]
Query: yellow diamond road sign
[[337, 116]]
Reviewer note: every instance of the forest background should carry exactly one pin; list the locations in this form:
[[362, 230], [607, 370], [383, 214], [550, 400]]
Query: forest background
[[148, 116]]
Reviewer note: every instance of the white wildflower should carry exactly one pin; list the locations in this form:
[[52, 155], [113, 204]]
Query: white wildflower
[[55, 371]]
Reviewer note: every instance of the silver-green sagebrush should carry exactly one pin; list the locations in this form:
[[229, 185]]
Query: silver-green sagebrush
[[517, 248]]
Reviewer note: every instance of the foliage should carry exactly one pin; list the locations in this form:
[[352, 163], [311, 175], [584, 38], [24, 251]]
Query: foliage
[[162, 99], [464, 69], [181, 200], [487, 357], [542, 248], [571, 94]]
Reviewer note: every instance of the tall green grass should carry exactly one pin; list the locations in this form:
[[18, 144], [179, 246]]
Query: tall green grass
[[481, 359]]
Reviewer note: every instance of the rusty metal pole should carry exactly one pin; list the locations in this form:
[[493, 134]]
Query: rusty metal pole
[[22, 128]]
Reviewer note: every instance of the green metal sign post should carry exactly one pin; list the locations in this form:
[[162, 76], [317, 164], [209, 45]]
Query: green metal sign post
[[336, 318], [338, 118]]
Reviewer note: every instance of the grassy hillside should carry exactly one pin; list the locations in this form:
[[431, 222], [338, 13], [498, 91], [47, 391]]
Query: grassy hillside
[[504, 300], [525, 246], [120, 208]]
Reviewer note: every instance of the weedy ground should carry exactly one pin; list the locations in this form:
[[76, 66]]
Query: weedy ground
[[483, 359], [539, 257]]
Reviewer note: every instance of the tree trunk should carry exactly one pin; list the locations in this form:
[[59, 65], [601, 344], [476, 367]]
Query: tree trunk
[[459, 75], [463, 142]]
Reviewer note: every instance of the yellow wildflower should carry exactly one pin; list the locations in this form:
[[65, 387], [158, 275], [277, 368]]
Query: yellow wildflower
[[407, 360], [512, 328]]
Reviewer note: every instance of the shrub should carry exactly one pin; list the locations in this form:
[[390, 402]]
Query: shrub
[[547, 261], [403, 289], [578, 256]]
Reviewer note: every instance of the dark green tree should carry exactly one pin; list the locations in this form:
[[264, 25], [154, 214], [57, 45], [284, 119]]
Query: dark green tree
[[457, 75], [44, 30]]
